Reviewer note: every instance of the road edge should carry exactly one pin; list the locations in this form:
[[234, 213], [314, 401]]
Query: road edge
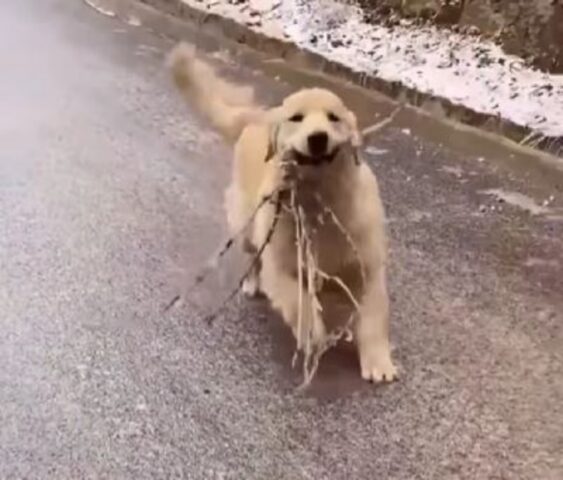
[[396, 91], [438, 108]]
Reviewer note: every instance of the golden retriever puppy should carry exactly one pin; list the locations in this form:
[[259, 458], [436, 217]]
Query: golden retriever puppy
[[322, 136]]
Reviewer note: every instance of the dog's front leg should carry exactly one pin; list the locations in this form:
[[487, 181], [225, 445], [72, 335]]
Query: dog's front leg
[[251, 284], [372, 331]]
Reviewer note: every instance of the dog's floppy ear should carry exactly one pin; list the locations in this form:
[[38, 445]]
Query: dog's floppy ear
[[273, 119], [272, 141], [355, 135], [356, 139]]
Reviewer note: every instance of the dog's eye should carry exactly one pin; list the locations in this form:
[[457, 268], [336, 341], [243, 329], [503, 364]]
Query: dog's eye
[[333, 118], [298, 117]]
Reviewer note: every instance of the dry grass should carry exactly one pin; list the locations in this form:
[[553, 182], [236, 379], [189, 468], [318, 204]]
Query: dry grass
[[308, 342]]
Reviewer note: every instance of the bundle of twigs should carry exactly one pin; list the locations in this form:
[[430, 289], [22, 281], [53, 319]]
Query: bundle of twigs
[[311, 279]]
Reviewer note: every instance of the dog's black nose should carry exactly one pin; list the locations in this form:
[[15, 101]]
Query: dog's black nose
[[318, 143]]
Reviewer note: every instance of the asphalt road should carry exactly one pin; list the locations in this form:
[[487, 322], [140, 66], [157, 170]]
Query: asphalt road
[[111, 200]]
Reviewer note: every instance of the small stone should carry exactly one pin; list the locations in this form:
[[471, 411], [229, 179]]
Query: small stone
[[545, 315]]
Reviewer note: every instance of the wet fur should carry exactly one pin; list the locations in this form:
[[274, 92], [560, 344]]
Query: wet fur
[[348, 187]]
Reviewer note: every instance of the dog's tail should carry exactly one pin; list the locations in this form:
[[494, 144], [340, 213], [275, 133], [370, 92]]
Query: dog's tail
[[229, 108]]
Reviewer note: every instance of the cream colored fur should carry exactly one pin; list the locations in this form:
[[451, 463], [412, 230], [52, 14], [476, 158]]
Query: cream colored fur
[[348, 188]]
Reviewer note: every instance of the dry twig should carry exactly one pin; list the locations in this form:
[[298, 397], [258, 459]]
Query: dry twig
[[215, 259], [255, 259], [330, 212], [366, 132], [307, 263]]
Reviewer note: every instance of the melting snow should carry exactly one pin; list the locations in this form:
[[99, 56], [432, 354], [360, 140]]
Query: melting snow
[[100, 9], [372, 150], [518, 200], [133, 21]]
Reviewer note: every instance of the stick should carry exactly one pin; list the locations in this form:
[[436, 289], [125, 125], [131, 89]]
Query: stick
[[343, 286], [312, 353], [212, 263], [382, 124], [209, 318], [346, 234], [299, 241]]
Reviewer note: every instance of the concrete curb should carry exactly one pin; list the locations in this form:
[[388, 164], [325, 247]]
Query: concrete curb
[[295, 56]]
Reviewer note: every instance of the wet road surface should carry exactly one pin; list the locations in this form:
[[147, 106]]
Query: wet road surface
[[110, 201]]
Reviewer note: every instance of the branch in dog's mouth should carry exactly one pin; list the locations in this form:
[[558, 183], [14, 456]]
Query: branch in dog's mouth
[[314, 161]]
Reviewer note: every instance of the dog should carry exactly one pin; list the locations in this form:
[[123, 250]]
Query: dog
[[322, 136]]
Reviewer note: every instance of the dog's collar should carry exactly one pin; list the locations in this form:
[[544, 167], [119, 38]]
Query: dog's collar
[[306, 160]]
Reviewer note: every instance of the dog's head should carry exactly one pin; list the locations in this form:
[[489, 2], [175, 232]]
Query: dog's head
[[314, 125]]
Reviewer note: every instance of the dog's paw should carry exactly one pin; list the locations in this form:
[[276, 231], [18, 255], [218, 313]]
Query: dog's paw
[[376, 364], [251, 287]]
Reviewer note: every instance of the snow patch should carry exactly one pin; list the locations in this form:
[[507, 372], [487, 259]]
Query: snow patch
[[372, 150], [519, 200], [134, 21], [104, 11], [466, 70]]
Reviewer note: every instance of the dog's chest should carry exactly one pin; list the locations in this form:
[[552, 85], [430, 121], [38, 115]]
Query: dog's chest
[[324, 227], [331, 245]]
